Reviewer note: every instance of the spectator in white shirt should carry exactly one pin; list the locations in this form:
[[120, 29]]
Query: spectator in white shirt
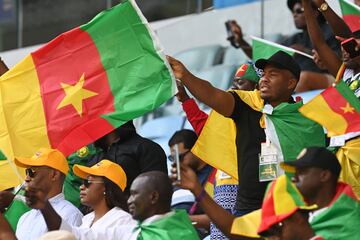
[[149, 204], [46, 170], [102, 190]]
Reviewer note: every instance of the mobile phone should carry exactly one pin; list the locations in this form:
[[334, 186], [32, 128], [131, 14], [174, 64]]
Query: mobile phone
[[177, 161], [230, 34], [349, 46]]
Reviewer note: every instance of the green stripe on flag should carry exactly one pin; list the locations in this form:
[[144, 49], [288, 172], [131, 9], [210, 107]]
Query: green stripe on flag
[[295, 194], [345, 91], [349, 8], [133, 60], [339, 221], [264, 49], [2, 156], [287, 119]]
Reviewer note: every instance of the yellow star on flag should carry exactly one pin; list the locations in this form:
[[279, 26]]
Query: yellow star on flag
[[348, 108], [74, 95]]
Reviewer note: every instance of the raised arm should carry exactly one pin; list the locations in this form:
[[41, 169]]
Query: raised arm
[[219, 216], [196, 117], [219, 100], [337, 24], [327, 55], [239, 38], [36, 199]]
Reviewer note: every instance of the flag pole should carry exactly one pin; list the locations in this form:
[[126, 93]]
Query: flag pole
[[262, 19]]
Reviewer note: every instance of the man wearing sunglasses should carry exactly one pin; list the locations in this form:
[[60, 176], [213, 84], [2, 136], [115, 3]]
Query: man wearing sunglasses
[[183, 199], [46, 170]]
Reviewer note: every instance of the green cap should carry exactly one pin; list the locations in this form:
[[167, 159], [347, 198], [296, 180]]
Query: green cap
[[247, 71]]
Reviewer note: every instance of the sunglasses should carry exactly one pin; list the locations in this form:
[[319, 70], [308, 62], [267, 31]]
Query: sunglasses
[[181, 156], [87, 182], [299, 10], [32, 172]]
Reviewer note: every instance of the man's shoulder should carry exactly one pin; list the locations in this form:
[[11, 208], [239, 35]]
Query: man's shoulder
[[151, 147], [28, 214], [292, 39]]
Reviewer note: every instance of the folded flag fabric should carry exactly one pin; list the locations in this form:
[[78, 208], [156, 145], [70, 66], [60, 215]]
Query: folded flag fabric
[[10, 175], [262, 48], [340, 220], [281, 200], [175, 226], [84, 84], [17, 208], [2, 156], [349, 160], [351, 14], [289, 131], [336, 108]]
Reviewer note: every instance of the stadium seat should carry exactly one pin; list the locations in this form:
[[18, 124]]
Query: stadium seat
[[196, 59], [233, 56], [161, 127], [220, 76]]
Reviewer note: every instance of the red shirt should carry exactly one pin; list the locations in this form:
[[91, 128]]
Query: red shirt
[[196, 117]]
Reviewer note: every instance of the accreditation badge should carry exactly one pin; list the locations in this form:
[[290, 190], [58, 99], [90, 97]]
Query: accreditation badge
[[268, 162]]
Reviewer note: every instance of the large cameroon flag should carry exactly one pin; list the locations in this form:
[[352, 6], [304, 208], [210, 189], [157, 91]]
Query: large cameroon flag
[[336, 108], [351, 14], [83, 84]]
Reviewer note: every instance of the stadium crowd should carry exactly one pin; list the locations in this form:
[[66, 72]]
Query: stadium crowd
[[290, 181]]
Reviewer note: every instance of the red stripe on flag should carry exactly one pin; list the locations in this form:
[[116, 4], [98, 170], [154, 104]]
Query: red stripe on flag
[[64, 61], [343, 188], [211, 178], [341, 106], [268, 215], [353, 21]]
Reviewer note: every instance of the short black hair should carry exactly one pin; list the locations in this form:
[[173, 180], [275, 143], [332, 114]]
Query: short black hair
[[114, 196], [186, 136], [159, 182]]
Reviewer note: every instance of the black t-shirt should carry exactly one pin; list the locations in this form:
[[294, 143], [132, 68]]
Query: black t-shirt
[[303, 38], [249, 137], [135, 155]]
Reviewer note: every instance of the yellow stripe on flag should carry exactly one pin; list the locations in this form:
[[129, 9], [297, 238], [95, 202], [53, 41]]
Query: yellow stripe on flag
[[349, 159], [216, 144], [283, 202], [324, 115], [247, 225], [22, 118], [220, 180], [8, 177]]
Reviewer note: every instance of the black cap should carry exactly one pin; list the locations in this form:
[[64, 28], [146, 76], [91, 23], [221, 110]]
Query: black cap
[[281, 60], [318, 157], [291, 3]]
